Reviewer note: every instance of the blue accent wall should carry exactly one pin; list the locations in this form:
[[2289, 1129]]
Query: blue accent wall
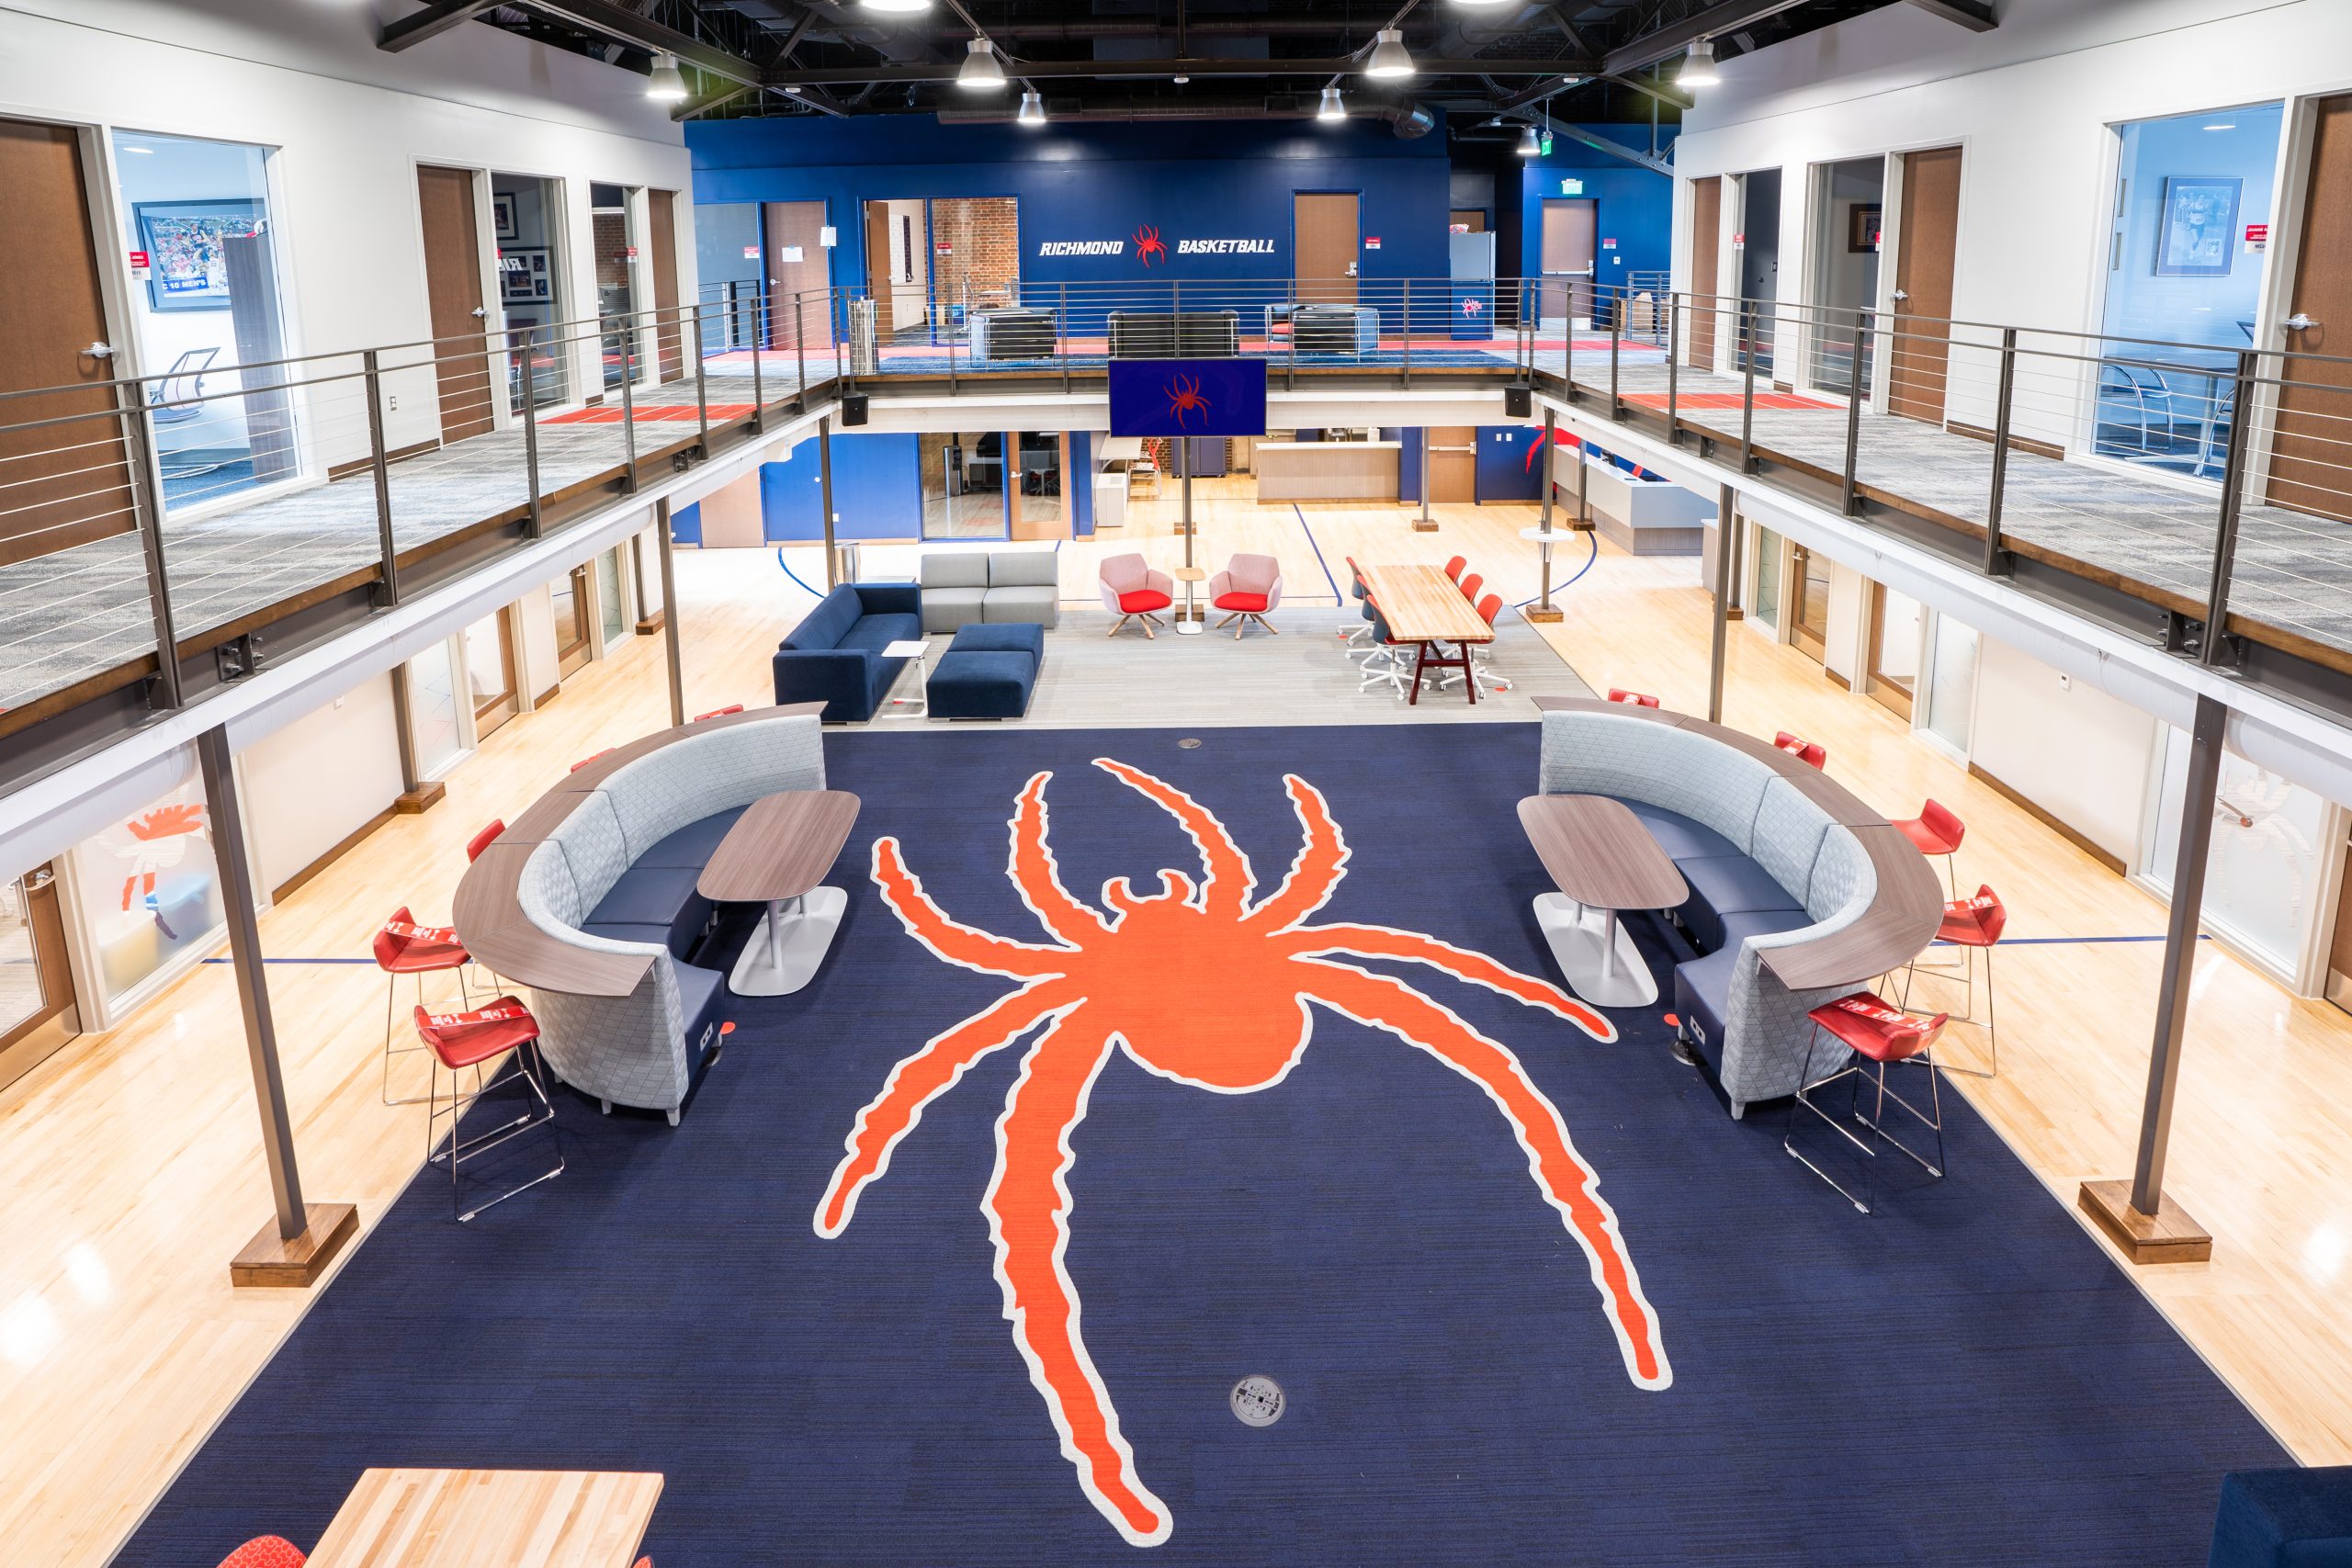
[[1637, 205], [1504, 469], [877, 491]]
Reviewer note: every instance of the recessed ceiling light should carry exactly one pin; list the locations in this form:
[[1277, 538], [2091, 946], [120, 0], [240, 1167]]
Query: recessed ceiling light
[[1388, 55]]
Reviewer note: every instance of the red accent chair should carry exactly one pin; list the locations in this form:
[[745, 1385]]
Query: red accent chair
[[266, 1552], [585, 761], [1805, 750], [1879, 1035], [1638, 699], [1453, 567], [1246, 590], [1489, 608], [483, 839], [462, 1040], [717, 713], [1470, 584], [1136, 591], [403, 947], [1973, 926], [1937, 833]]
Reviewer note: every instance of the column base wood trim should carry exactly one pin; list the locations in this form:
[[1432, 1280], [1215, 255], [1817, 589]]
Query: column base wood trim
[[1543, 616], [418, 801], [2113, 862], [273, 1260], [648, 624], [1421, 527], [1735, 614], [2169, 1235]]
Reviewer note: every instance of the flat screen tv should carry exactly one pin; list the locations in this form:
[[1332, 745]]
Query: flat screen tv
[[1188, 397]]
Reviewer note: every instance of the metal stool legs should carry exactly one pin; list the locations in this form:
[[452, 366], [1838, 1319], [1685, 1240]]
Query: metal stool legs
[[458, 1149], [1874, 1123], [1991, 1031], [391, 1008]]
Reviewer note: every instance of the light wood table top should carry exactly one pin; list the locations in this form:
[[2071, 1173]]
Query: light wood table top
[[1189, 573], [1422, 604], [490, 1519], [780, 848], [1600, 853]]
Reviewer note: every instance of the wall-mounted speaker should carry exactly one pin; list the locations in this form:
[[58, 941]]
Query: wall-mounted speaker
[[852, 407], [1519, 401]]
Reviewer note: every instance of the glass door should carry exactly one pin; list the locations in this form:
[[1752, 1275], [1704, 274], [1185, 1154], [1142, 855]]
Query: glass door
[[614, 223], [1849, 220], [1895, 630], [1766, 600], [433, 709], [963, 485], [573, 645], [1952, 683], [2262, 874], [1040, 478], [526, 219], [490, 672], [1809, 582], [35, 983], [151, 892], [612, 609]]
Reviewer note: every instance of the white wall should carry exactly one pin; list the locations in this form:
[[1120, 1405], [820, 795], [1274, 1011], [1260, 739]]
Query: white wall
[[2079, 754], [2030, 103], [539, 672], [351, 123], [315, 782]]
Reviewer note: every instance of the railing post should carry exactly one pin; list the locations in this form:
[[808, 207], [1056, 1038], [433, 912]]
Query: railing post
[[670, 634], [759, 392], [1997, 562], [951, 387], [1726, 519], [800, 344], [1409, 332], [702, 394], [1850, 499], [1569, 355], [1061, 335], [1617, 405], [537, 522], [628, 418], [825, 494], [147, 513], [2225, 533], [1674, 372], [1748, 388], [381, 469]]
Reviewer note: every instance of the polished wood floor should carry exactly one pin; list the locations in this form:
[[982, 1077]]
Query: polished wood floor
[[133, 1171]]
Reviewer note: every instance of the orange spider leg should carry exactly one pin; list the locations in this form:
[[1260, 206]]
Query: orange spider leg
[[1552, 1158], [1028, 1205], [951, 940], [921, 1078], [1121, 894], [1321, 858], [1380, 941], [1039, 879], [1230, 879]]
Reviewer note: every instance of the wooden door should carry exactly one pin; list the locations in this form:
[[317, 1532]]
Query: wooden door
[[1453, 464], [1326, 243], [1473, 218], [69, 484], [574, 634], [1570, 242], [453, 294], [2310, 466], [1809, 579], [2339, 952], [1918, 342], [878, 280], [490, 671], [1706, 279], [670, 329], [798, 268], [32, 946]]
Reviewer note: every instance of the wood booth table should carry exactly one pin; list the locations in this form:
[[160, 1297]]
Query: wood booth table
[[776, 854], [1421, 604], [1326, 470], [1604, 861], [490, 1519]]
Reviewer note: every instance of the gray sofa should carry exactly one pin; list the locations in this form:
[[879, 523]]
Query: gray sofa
[[1767, 867], [968, 588], [617, 875]]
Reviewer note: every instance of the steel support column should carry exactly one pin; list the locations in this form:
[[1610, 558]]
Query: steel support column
[[825, 492], [670, 613], [1727, 521]]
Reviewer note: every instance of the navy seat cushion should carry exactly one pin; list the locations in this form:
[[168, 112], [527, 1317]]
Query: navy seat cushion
[[2284, 1519], [982, 685], [1701, 986], [1680, 836], [1722, 885], [1000, 637], [825, 626], [657, 894], [693, 844], [877, 631], [702, 993]]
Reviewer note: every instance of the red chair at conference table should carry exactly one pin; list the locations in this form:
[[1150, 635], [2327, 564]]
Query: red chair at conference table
[[1638, 699], [1805, 750]]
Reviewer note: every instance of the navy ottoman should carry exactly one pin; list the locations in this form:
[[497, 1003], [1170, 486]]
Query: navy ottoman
[[987, 671], [2284, 1519]]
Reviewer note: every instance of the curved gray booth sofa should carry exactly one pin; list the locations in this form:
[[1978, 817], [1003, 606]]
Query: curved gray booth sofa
[[589, 899], [1799, 891]]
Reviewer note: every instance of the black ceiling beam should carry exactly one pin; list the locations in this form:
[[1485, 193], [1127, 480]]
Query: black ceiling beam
[[607, 19], [1116, 70], [433, 21], [1676, 37], [1973, 14]]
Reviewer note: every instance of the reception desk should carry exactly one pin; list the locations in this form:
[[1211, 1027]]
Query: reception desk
[[1326, 470]]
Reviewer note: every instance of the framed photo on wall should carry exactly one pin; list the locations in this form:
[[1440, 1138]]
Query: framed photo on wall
[[183, 240], [2195, 225], [502, 216], [1863, 225], [524, 277]]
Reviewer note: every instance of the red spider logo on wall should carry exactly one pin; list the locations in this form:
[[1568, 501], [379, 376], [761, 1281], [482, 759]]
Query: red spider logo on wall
[[1149, 247], [1559, 438], [1214, 989], [1184, 400], [1471, 307]]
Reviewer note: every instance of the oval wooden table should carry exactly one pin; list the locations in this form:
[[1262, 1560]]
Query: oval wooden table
[[776, 854], [1605, 860]]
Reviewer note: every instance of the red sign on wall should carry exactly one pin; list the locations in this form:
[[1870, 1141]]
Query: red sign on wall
[[2257, 232]]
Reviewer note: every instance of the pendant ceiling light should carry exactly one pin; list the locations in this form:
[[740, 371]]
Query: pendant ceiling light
[[1388, 56], [1332, 109], [1529, 146], [980, 71], [665, 85], [898, 6], [1032, 108], [1698, 66]]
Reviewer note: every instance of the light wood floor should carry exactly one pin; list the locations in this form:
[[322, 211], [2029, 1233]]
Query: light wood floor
[[133, 1171]]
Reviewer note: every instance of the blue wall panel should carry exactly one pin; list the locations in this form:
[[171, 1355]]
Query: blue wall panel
[[1636, 206], [1506, 466], [878, 490]]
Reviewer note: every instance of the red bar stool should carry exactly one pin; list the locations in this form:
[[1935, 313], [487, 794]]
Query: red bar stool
[[1973, 926], [1937, 833], [1453, 567], [585, 761], [1797, 746], [1638, 699], [483, 839], [1879, 1035], [717, 713], [462, 1040], [403, 947]]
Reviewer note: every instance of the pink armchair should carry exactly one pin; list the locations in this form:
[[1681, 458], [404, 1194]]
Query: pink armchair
[[1246, 590], [1134, 591]]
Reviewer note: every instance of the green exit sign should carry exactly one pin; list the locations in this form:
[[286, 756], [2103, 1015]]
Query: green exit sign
[[1547, 145], [1570, 188]]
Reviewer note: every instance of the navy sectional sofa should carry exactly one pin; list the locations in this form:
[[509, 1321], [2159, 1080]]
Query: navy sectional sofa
[[987, 671], [834, 655]]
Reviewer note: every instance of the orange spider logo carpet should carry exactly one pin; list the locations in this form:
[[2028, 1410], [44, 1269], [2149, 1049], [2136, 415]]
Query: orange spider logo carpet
[[1202, 985]]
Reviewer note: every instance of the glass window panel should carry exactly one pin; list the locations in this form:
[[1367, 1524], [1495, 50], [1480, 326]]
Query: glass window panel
[[1041, 476], [20, 994], [528, 222], [1951, 682], [433, 709], [1894, 656], [1767, 578], [154, 888], [614, 609], [2262, 872], [490, 672]]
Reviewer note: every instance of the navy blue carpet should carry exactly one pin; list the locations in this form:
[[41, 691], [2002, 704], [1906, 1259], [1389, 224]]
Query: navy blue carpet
[[1961, 1377]]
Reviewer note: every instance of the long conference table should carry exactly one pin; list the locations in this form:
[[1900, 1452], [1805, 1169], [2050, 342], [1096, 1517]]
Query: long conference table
[[1423, 605], [491, 1518]]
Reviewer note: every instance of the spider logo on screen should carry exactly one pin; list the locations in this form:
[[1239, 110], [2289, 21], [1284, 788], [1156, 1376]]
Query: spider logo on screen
[[1184, 400]]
